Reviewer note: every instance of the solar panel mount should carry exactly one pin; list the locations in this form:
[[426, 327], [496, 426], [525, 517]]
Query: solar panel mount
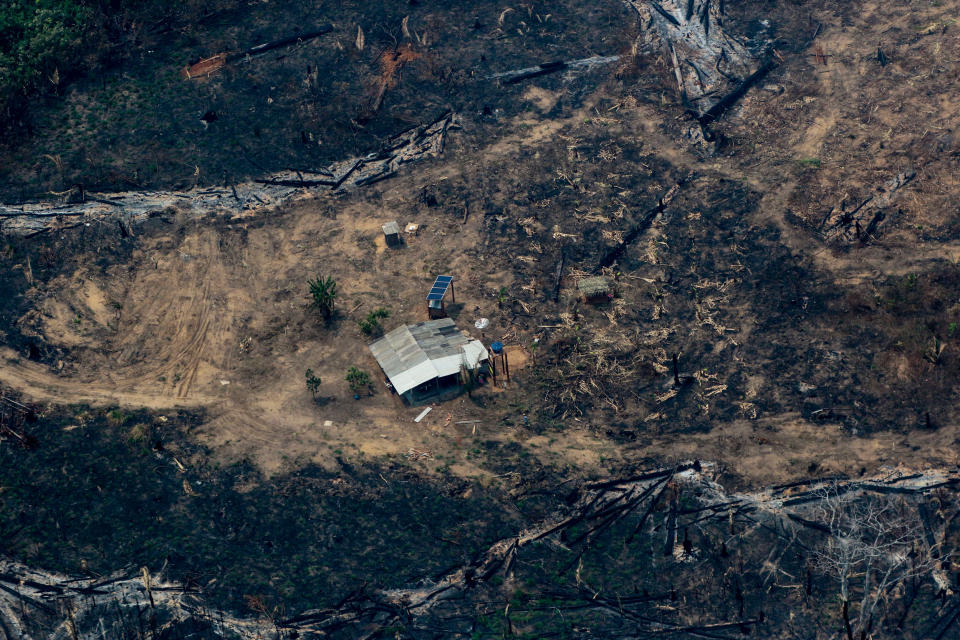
[[439, 288]]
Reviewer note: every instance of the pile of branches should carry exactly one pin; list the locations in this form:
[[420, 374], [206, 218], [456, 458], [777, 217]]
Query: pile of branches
[[861, 221]]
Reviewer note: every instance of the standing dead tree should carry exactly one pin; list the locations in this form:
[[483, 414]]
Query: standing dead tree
[[875, 544]]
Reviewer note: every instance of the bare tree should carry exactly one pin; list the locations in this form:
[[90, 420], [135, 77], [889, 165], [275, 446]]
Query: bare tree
[[874, 546]]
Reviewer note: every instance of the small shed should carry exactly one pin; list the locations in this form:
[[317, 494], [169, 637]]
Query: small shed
[[595, 289], [424, 361], [391, 232]]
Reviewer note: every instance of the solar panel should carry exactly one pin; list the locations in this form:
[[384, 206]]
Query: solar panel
[[439, 288]]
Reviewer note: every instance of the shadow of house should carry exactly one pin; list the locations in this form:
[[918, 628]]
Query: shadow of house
[[428, 361]]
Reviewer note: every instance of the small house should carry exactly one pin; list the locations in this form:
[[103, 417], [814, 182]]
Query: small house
[[391, 233], [427, 361], [595, 289]]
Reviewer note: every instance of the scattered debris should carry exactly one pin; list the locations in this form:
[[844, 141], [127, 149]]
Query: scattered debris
[[422, 414], [862, 223]]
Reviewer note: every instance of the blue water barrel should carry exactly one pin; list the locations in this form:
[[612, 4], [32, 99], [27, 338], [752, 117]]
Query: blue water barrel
[[497, 348]]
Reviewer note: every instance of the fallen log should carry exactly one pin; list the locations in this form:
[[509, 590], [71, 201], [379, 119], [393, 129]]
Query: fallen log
[[423, 141], [809, 523], [630, 237], [780, 488], [298, 183], [276, 44], [377, 177], [727, 101], [558, 277], [518, 75], [938, 631], [38, 214], [216, 62], [670, 524], [544, 69]]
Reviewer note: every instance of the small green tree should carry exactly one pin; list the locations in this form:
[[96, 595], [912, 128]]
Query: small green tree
[[358, 379], [324, 294], [371, 324], [313, 383]]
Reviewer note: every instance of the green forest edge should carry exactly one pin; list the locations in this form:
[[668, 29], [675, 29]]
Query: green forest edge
[[45, 43]]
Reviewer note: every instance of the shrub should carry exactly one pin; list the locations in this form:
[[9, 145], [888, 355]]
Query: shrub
[[371, 324], [358, 379], [313, 382]]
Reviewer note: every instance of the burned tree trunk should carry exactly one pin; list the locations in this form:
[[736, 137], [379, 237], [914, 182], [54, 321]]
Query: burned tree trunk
[[713, 68]]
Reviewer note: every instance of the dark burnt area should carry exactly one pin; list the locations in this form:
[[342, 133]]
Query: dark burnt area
[[301, 106], [101, 490], [790, 325]]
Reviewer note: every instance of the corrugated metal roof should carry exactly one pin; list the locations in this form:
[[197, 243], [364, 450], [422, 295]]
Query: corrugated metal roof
[[391, 228], [413, 354]]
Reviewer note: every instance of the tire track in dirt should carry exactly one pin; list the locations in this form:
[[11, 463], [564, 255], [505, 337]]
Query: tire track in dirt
[[39, 384], [193, 351], [168, 328], [184, 298]]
